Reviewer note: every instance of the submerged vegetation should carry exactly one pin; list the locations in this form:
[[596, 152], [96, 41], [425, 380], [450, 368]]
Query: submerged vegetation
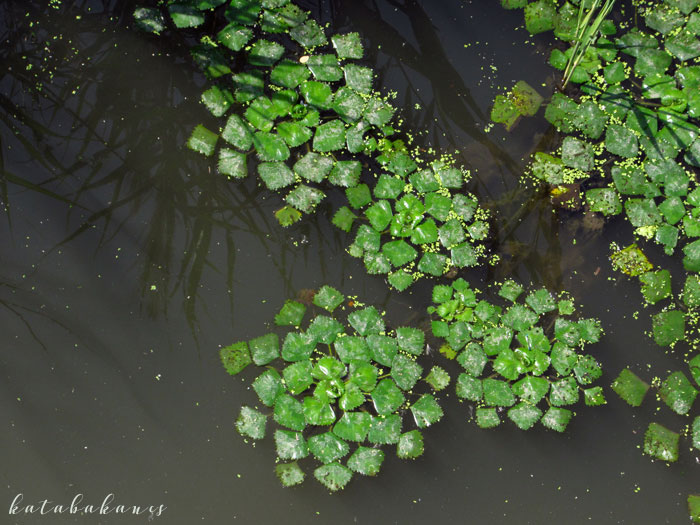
[[306, 105]]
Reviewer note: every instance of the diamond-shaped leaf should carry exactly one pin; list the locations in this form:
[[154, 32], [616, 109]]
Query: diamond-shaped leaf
[[289, 413], [366, 321], [426, 411], [557, 419], [327, 447], [291, 314], [264, 349], [290, 445], [268, 386], [251, 423], [366, 461], [333, 476], [405, 371], [487, 417], [385, 430], [564, 392], [202, 140], [353, 426], [410, 445], [468, 387], [630, 388], [235, 357], [678, 393], [497, 393], [661, 443], [289, 474], [524, 415], [668, 327]]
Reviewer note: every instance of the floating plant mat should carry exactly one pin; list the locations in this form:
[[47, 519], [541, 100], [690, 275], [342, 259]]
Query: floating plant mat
[[341, 386], [304, 104], [631, 138]]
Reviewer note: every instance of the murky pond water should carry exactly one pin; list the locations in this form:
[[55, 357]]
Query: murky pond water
[[127, 263]]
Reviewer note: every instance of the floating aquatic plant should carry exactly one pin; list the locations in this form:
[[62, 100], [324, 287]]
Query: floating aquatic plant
[[337, 390], [308, 110], [509, 361]]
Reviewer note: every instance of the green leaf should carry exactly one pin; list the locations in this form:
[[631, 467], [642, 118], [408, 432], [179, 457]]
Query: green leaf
[[531, 389], [497, 340], [388, 187], [184, 16], [524, 415], [232, 164], [313, 167], [498, 393], [656, 285], [504, 111], [309, 34], [668, 327], [540, 16], [652, 61], [426, 411], [325, 329], [351, 348], [318, 412], [621, 141], [149, 19], [353, 426], [367, 238], [379, 215], [326, 447], [468, 387], [399, 252], [411, 340], [317, 94], [510, 290], [202, 140], [333, 476], [696, 432], [217, 101], [289, 74], [328, 298], [298, 346], [694, 507], [358, 197], [348, 45], [661, 443], [557, 419], [268, 386], [265, 53], [290, 445], [358, 78], [563, 358], [691, 261], [345, 173], [678, 393], [604, 200], [438, 205], [234, 37], [594, 396], [344, 218], [275, 175], [472, 359], [631, 261], [293, 133], [410, 445], [366, 321], [351, 398], [251, 423], [487, 417], [663, 19], [329, 136], [564, 392], [382, 348], [264, 349], [541, 301], [297, 377], [270, 147], [519, 317], [287, 216], [377, 112], [451, 233], [243, 12], [438, 378], [366, 461], [289, 412], [305, 198], [587, 370], [364, 375], [425, 233], [237, 133], [433, 264], [691, 291], [405, 371], [630, 388], [385, 430], [325, 68], [291, 314], [235, 357], [577, 154], [289, 474]]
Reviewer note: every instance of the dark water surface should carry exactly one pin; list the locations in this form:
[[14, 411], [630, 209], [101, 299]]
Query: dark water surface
[[126, 263]]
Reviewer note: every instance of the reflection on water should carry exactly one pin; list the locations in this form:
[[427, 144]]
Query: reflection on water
[[127, 263]]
